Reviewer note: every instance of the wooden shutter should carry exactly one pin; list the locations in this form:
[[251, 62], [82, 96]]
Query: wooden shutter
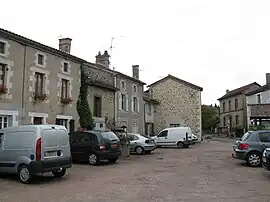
[[126, 102]]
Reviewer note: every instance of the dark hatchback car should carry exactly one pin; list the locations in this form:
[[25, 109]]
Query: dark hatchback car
[[251, 146], [94, 146], [266, 159]]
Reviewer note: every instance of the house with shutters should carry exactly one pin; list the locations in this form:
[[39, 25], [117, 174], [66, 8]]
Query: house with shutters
[[38, 84]]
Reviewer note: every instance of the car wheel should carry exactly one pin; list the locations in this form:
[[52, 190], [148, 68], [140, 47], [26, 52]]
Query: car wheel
[[59, 173], [113, 160], [24, 174], [147, 152], [180, 145], [139, 150], [254, 159], [93, 159]]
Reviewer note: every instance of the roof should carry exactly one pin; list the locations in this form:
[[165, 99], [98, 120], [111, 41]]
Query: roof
[[238, 91], [37, 45], [258, 90], [177, 80]]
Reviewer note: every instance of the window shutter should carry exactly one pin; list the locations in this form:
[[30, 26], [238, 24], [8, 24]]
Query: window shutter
[[126, 102], [138, 105], [119, 101], [132, 104]]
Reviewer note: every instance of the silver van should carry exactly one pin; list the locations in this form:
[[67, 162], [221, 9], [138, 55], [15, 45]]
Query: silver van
[[31, 149]]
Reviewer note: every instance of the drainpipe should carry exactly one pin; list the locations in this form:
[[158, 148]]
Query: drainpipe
[[115, 101], [23, 82]]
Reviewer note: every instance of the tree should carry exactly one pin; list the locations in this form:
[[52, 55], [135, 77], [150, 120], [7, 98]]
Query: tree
[[83, 109], [210, 117]]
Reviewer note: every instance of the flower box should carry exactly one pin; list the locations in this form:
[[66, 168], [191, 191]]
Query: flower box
[[3, 89], [66, 101], [42, 97]]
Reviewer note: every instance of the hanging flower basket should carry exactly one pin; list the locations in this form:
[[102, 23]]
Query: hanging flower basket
[[66, 101], [42, 97], [3, 89]]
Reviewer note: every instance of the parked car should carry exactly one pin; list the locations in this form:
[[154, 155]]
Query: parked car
[[194, 138], [94, 146], [177, 136], [266, 159], [251, 146], [31, 149], [141, 144]]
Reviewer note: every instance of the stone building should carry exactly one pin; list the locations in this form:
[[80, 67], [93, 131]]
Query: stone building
[[179, 104], [123, 103], [233, 111], [38, 84]]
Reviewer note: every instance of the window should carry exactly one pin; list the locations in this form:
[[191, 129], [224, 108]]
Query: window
[[134, 88], [223, 106], [236, 104], [264, 137], [2, 47], [134, 137], [40, 59], [38, 120], [135, 104], [123, 85], [64, 88], [224, 121], [97, 106], [149, 108], [230, 105], [174, 125], [163, 133], [259, 99], [4, 121], [63, 122], [65, 69], [123, 102], [39, 82], [2, 74], [237, 120]]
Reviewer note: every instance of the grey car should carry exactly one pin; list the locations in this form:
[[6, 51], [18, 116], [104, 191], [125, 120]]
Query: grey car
[[141, 144], [251, 146]]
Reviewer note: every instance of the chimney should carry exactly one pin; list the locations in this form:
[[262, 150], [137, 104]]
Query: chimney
[[65, 45], [267, 78], [103, 59], [227, 91], [135, 72]]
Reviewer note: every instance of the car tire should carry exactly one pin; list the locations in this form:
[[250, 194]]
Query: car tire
[[25, 175], [180, 145], [59, 173], [139, 150], [93, 159], [254, 159], [147, 152], [113, 160]]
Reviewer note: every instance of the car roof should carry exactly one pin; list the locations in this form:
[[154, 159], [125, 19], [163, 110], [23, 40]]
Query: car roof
[[24, 127]]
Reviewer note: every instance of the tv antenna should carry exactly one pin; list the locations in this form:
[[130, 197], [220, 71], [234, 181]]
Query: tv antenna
[[112, 47]]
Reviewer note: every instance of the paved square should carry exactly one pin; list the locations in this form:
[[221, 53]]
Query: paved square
[[204, 172]]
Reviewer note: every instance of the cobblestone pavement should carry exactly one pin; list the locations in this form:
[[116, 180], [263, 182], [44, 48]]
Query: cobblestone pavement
[[204, 172]]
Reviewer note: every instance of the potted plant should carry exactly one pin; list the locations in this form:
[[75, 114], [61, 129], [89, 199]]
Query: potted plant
[[3, 89], [66, 101], [41, 97]]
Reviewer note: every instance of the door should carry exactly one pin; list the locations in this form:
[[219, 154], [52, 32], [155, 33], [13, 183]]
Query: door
[[75, 140], [133, 142], [162, 138], [264, 138]]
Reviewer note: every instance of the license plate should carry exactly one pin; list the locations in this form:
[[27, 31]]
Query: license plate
[[114, 145], [264, 160], [50, 153]]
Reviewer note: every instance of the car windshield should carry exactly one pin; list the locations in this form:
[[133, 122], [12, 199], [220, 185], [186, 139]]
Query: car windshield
[[246, 136], [144, 136], [109, 136]]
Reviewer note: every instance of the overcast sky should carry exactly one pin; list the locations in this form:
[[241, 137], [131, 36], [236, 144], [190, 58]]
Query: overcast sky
[[215, 44]]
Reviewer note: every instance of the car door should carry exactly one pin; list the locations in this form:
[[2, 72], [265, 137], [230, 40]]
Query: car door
[[75, 139], [264, 142], [162, 138], [1, 152], [133, 142]]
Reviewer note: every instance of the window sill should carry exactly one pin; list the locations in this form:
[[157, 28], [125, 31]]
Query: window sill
[[4, 55]]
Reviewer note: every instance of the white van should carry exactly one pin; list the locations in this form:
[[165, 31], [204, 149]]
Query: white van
[[31, 149], [177, 136]]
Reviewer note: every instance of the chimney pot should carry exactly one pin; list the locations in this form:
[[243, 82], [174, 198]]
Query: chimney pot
[[227, 91], [104, 59], [136, 71], [65, 45], [267, 78]]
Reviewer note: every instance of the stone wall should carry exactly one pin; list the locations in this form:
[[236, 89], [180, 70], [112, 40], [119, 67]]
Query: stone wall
[[179, 104]]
